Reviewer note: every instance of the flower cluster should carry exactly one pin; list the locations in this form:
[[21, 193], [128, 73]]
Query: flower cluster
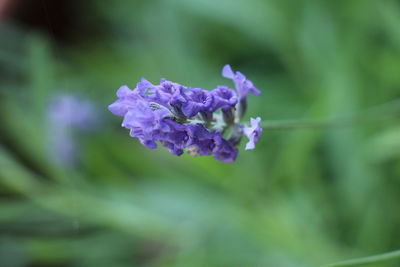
[[193, 120]]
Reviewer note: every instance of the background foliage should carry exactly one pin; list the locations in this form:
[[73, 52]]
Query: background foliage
[[304, 197]]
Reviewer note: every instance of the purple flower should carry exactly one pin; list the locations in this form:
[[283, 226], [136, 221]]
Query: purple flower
[[72, 111], [69, 115], [190, 101], [201, 140], [127, 98], [242, 84], [185, 119], [224, 150], [146, 123], [198, 100], [154, 93], [223, 97], [253, 132], [175, 138], [172, 148], [226, 99]]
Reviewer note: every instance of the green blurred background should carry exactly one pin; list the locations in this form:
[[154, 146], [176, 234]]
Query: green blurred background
[[303, 197]]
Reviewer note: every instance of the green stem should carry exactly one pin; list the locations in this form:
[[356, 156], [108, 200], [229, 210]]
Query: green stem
[[371, 115], [368, 260]]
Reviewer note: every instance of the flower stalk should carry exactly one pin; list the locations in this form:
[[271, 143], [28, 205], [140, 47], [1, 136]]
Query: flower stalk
[[386, 111]]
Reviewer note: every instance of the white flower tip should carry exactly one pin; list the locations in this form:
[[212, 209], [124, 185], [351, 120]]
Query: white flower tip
[[256, 120], [250, 146]]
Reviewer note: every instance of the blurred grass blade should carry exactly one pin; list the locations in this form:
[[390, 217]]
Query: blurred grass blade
[[379, 113], [368, 260]]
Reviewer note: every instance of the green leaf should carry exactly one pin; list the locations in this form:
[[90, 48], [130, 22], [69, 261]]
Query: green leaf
[[368, 260]]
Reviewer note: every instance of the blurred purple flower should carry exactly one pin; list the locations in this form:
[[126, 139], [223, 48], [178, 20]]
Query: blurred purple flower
[[67, 115], [72, 111]]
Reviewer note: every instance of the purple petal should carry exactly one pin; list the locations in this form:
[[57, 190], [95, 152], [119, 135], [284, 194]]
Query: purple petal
[[143, 85], [224, 150], [120, 107], [253, 132], [124, 91], [227, 72], [223, 97], [148, 143]]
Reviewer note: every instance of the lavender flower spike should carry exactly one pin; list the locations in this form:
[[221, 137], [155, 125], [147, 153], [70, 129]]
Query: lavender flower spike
[[253, 132], [185, 119]]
